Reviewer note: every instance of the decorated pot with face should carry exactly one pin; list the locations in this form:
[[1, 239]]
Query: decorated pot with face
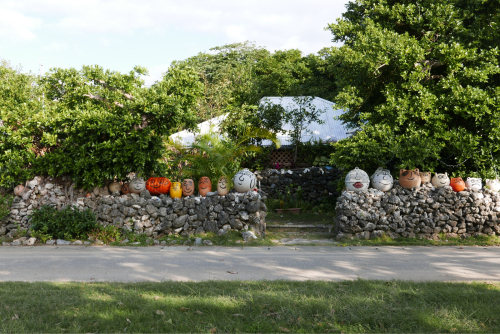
[[425, 177], [223, 186], [18, 190], [382, 179], [137, 185], [357, 180], [494, 184], [176, 190], [114, 187], [187, 187], [204, 186], [125, 188], [440, 180], [457, 184], [409, 178], [244, 181], [473, 183]]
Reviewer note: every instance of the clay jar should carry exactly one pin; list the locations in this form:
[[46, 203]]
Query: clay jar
[[382, 179], [114, 187], [18, 190], [204, 186], [176, 190], [357, 180], [457, 184], [187, 187], [223, 186], [440, 180], [473, 183], [137, 185], [494, 184], [409, 178], [425, 177], [126, 188], [244, 181]]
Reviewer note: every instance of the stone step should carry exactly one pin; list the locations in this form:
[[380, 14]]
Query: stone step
[[299, 227]]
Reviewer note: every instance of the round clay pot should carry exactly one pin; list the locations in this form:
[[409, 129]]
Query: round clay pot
[[494, 185], [473, 183], [457, 184], [357, 180], [409, 178], [115, 186], [204, 186], [137, 185], [176, 190], [440, 180], [18, 190], [187, 187], [382, 179], [223, 186], [244, 181], [125, 188], [425, 177], [165, 185], [153, 186]]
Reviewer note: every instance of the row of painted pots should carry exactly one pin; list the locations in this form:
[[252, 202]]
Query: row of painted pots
[[358, 180], [243, 181]]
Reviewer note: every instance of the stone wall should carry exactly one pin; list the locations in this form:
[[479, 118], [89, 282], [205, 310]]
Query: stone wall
[[315, 182], [143, 213], [423, 212]]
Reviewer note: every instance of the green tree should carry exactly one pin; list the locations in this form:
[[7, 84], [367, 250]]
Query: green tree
[[420, 83]]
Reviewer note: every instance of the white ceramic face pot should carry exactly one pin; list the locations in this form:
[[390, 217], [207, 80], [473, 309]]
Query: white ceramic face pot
[[440, 180], [494, 184], [357, 180], [382, 179], [244, 181], [473, 183]]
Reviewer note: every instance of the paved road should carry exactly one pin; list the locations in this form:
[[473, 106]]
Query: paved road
[[128, 264]]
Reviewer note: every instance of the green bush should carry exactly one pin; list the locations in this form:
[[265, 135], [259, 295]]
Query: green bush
[[68, 223], [5, 203]]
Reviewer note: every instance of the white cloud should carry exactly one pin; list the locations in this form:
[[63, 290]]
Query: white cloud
[[14, 25]]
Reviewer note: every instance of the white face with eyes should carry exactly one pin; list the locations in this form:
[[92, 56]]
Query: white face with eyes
[[473, 183], [357, 180], [440, 180], [494, 185], [244, 181], [382, 179]]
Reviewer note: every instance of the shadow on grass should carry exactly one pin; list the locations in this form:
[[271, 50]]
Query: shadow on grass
[[257, 306]]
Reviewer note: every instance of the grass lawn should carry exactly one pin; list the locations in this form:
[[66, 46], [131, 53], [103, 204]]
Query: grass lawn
[[258, 306]]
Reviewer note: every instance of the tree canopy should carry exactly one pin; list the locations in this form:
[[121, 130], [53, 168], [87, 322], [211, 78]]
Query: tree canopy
[[420, 81]]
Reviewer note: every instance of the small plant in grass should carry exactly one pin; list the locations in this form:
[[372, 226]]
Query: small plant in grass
[[106, 234], [68, 223], [42, 234], [5, 204]]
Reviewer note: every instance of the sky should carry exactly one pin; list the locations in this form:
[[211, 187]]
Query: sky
[[120, 34]]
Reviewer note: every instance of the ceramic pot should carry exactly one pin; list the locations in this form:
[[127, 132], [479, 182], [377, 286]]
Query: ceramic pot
[[137, 185], [473, 183], [457, 184], [357, 180], [244, 181], [114, 187], [204, 186], [382, 179], [18, 190], [176, 190], [440, 180], [425, 177], [494, 184], [165, 185], [187, 187], [409, 178], [126, 188], [223, 186]]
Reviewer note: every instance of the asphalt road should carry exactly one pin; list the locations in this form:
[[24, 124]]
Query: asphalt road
[[129, 264]]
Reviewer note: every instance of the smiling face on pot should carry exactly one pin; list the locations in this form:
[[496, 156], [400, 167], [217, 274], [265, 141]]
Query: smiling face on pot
[[244, 181], [187, 187], [440, 180], [137, 185], [223, 186], [425, 177], [382, 179], [204, 186]]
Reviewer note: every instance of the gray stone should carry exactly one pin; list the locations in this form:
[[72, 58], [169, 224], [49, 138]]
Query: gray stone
[[252, 207], [145, 194], [151, 209], [248, 235], [180, 221], [243, 215], [207, 243], [50, 242], [63, 242], [30, 241], [77, 242], [198, 241]]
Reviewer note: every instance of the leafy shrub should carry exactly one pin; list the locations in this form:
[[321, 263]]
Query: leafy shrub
[[106, 234], [5, 203], [68, 223]]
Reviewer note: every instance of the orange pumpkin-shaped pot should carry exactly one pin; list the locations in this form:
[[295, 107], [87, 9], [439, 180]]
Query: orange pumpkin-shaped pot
[[175, 190], [153, 185], [187, 187], [204, 186], [18, 191], [125, 189], [457, 184], [425, 177], [409, 178], [165, 185]]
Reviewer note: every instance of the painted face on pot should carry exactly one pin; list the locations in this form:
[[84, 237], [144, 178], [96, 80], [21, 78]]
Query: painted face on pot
[[244, 181], [409, 178], [357, 180], [137, 185], [494, 185], [425, 177], [223, 186], [187, 187], [457, 184], [440, 180], [382, 179], [204, 186], [473, 183], [125, 188]]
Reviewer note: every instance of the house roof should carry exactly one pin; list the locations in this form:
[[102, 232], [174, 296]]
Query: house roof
[[331, 130]]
